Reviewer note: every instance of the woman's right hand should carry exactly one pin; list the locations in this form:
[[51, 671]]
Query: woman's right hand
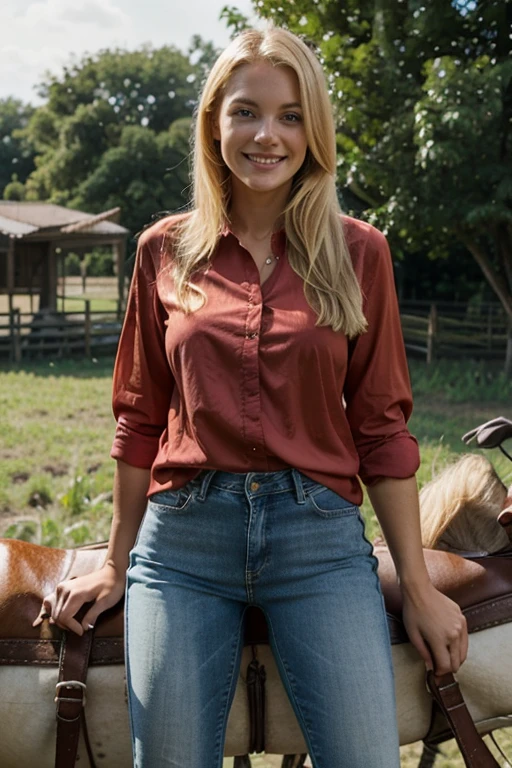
[[103, 588]]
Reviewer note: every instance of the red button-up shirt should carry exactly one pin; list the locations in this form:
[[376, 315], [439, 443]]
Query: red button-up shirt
[[249, 383]]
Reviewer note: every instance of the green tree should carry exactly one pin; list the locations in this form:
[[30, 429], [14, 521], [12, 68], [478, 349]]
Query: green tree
[[16, 156], [203, 54], [145, 174], [423, 100], [236, 19], [15, 190], [149, 87], [81, 130]]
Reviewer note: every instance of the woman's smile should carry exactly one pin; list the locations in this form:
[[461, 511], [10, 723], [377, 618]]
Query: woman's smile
[[265, 161]]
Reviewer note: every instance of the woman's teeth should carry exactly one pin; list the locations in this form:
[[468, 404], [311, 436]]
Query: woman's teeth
[[265, 160]]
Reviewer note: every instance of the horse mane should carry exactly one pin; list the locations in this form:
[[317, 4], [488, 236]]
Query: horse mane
[[459, 508]]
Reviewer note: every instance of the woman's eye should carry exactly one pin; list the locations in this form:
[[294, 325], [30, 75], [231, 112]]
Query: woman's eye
[[243, 112], [292, 118]]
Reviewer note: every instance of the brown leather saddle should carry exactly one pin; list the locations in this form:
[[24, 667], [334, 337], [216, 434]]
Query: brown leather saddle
[[482, 586]]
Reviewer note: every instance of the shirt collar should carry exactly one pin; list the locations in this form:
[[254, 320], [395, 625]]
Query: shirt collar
[[278, 237]]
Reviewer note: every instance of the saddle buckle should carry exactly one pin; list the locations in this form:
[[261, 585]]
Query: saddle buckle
[[69, 685]]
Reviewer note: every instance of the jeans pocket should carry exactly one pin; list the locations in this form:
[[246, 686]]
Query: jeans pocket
[[173, 500], [327, 503]]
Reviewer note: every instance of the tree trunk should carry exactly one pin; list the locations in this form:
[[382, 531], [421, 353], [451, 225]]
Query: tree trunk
[[499, 280]]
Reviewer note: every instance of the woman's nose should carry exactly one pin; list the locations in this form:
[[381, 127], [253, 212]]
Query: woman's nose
[[265, 133]]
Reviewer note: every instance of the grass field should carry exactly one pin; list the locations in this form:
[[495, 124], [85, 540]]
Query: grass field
[[57, 428], [56, 474]]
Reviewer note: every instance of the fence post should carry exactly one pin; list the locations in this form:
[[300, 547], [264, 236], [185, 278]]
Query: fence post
[[11, 326], [87, 327], [431, 333], [17, 336]]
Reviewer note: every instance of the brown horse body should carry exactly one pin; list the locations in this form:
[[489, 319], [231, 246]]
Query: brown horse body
[[29, 659]]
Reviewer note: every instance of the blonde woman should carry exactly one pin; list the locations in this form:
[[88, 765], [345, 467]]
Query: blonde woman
[[260, 371]]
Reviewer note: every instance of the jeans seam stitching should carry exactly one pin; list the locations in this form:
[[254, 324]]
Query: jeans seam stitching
[[301, 717], [170, 506], [267, 545], [255, 495], [339, 512], [248, 586], [223, 717], [128, 675]]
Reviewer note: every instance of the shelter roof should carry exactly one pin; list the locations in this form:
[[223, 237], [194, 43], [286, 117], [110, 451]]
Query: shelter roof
[[18, 219], [15, 228]]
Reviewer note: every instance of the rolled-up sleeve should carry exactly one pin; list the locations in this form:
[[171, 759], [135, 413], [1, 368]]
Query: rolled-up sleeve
[[143, 382], [377, 388]]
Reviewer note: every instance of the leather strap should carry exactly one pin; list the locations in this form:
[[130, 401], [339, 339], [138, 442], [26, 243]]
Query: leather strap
[[446, 692], [70, 695], [255, 681]]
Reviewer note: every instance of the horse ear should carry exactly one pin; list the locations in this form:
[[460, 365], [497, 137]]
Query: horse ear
[[505, 520]]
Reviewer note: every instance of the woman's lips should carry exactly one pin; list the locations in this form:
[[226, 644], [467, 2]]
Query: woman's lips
[[262, 161]]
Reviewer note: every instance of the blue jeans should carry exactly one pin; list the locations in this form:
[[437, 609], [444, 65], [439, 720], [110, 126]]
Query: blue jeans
[[296, 549]]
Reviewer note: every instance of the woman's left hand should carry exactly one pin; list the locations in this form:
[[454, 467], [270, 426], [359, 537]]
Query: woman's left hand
[[436, 627]]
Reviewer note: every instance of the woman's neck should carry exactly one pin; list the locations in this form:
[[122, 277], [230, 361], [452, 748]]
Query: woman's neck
[[255, 215]]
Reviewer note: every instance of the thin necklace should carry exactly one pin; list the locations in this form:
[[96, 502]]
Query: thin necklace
[[271, 258]]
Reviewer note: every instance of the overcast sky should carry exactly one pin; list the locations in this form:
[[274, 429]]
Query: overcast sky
[[42, 34]]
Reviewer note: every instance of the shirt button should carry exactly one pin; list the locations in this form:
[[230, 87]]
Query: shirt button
[[254, 449], [255, 486]]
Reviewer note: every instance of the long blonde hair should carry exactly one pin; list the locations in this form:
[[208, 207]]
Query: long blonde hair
[[317, 250], [459, 508]]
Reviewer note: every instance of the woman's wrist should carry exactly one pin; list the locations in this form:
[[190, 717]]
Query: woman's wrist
[[115, 565], [415, 585]]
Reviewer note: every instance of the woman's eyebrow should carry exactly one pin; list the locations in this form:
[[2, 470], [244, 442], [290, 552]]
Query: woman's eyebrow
[[251, 103]]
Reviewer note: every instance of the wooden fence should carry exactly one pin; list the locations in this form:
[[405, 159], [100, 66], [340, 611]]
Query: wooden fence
[[454, 330], [430, 331], [83, 332]]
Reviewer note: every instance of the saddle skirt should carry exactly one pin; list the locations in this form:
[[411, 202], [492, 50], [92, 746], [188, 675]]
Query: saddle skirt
[[482, 586]]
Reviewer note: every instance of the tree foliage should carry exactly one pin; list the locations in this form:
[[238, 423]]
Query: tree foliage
[[114, 130], [151, 87], [16, 156], [150, 169], [423, 99]]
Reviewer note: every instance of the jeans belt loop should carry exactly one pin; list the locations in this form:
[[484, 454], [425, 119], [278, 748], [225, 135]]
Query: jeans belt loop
[[299, 488], [205, 484]]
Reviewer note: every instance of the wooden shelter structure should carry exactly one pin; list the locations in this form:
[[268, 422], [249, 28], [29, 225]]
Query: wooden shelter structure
[[35, 237]]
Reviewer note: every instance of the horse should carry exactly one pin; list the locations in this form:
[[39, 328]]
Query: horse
[[467, 501], [467, 510]]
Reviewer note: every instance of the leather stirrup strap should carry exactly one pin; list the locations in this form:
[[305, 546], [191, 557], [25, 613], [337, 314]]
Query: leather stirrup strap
[[445, 690], [70, 696]]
